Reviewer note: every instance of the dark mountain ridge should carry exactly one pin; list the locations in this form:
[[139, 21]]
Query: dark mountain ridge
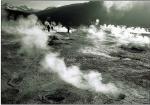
[[75, 15]]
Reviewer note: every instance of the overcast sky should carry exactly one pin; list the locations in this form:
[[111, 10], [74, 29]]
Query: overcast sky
[[40, 4]]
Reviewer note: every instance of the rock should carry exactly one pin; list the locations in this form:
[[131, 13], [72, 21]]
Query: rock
[[133, 48], [56, 39], [56, 97], [121, 96], [15, 80], [9, 96]]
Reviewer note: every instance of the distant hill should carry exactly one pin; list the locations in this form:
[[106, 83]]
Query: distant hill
[[22, 8], [70, 16], [13, 12], [75, 15], [48, 8]]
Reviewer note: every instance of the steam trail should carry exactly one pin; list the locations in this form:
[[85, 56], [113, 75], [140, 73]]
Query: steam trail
[[106, 38], [33, 39], [120, 5], [121, 34], [73, 75], [129, 13]]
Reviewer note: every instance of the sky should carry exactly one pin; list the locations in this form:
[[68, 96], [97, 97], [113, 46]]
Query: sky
[[40, 4]]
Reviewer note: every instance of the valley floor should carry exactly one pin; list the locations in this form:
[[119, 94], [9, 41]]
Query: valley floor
[[23, 82]]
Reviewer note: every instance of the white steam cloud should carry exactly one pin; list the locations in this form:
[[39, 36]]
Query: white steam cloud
[[33, 38], [106, 38], [120, 5], [130, 35], [29, 32], [73, 75]]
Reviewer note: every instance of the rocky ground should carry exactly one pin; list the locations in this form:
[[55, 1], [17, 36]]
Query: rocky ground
[[23, 82]]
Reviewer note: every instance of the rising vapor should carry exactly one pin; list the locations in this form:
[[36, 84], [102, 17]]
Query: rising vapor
[[106, 38], [33, 39], [73, 75]]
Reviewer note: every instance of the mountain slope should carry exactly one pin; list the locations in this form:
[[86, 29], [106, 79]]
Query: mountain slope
[[75, 14]]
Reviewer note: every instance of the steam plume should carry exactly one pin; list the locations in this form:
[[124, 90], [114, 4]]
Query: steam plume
[[34, 39], [116, 36], [73, 75]]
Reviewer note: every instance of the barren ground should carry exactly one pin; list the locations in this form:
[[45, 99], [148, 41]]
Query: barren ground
[[23, 82]]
